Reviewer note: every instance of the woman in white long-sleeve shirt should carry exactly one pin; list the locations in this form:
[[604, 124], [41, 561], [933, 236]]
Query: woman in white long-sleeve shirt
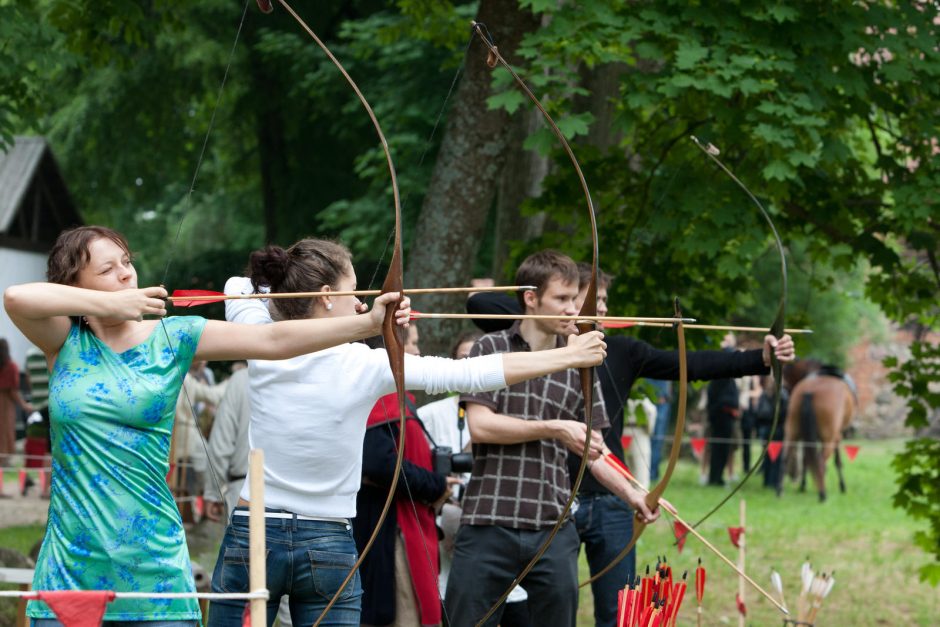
[[309, 416]]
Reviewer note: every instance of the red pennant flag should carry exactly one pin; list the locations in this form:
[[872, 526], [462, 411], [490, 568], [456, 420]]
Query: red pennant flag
[[681, 532], [77, 608], [625, 440], [200, 505], [742, 609], [851, 450], [773, 450], [735, 535], [698, 446], [22, 482], [170, 471], [43, 481]]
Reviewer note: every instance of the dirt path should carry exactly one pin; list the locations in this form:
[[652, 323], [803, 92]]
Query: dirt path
[[17, 510]]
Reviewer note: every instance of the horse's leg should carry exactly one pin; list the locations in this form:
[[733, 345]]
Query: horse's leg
[[819, 470], [839, 470], [810, 437]]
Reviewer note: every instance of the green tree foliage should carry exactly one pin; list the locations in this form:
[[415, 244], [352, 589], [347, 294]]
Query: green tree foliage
[[827, 110]]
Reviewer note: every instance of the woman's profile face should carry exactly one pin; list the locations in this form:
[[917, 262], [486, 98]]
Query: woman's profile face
[[345, 305], [109, 268]]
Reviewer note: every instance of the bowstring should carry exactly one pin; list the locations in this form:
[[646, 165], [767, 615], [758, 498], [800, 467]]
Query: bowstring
[[424, 153], [187, 206]]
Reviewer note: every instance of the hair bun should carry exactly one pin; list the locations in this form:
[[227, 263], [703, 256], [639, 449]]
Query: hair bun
[[268, 267]]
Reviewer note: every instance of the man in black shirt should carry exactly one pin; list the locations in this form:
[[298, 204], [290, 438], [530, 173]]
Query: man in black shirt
[[604, 524], [723, 409]]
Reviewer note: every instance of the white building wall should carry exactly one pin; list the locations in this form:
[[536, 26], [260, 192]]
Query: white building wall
[[17, 266]]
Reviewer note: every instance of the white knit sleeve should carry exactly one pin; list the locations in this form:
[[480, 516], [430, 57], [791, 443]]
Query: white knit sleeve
[[436, 375], [248, 311]]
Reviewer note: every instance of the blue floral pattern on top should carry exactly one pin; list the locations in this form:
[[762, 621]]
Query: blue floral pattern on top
[[113, 524]]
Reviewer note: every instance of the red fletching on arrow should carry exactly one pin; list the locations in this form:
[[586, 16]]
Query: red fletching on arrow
[[614, 461], [773, 450], [625, 440], [613, 324], [698, 446], [742, 609], [681, 532], [699, 582], [851, 450], [182, 294], [678, 593], [735, 534]]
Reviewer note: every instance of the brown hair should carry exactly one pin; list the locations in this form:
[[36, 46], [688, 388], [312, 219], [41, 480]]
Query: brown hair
[[584, 276], [307, 266], [70, 253], [4, 352], [467, 336], [539, 268]]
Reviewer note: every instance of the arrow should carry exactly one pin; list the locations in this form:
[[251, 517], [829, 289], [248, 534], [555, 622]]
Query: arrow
[[704, 327], [417, 315], [193, 298]]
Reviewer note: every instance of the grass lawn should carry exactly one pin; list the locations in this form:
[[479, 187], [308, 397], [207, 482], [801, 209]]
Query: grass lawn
[[858, 535]]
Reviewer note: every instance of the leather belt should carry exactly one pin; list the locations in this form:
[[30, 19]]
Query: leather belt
[[291, 515]]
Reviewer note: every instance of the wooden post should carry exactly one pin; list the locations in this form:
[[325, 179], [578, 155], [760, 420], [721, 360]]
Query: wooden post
[[256, 538], [742, 543]]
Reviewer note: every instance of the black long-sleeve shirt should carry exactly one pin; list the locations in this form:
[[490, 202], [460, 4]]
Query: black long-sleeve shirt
[[629, 359]]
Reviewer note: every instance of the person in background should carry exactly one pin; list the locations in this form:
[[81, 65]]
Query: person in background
[[228, 446], [660, 428], [764, 417], [723, 411], [10, 399], [188, 449]]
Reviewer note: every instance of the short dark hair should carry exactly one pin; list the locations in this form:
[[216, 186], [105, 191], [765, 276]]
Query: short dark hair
[[467, 336], [539, 268], [584, 276], [70, 252]]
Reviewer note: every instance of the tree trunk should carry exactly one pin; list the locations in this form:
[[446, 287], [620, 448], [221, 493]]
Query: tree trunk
[[465, 176], [521, 179]]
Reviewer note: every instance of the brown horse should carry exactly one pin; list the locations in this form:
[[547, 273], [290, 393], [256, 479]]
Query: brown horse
[[822, 406]]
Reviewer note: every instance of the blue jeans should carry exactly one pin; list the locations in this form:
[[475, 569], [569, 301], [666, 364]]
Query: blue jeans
[[605, 524], [306, 559], [663, 412]]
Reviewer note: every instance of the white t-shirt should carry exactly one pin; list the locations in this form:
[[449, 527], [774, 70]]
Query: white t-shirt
[[308, 414]]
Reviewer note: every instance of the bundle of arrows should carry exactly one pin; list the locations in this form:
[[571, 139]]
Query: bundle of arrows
[[651, 601], [814, 588]]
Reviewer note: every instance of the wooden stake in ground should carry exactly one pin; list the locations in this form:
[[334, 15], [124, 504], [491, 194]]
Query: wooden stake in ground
[[256, 540]]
